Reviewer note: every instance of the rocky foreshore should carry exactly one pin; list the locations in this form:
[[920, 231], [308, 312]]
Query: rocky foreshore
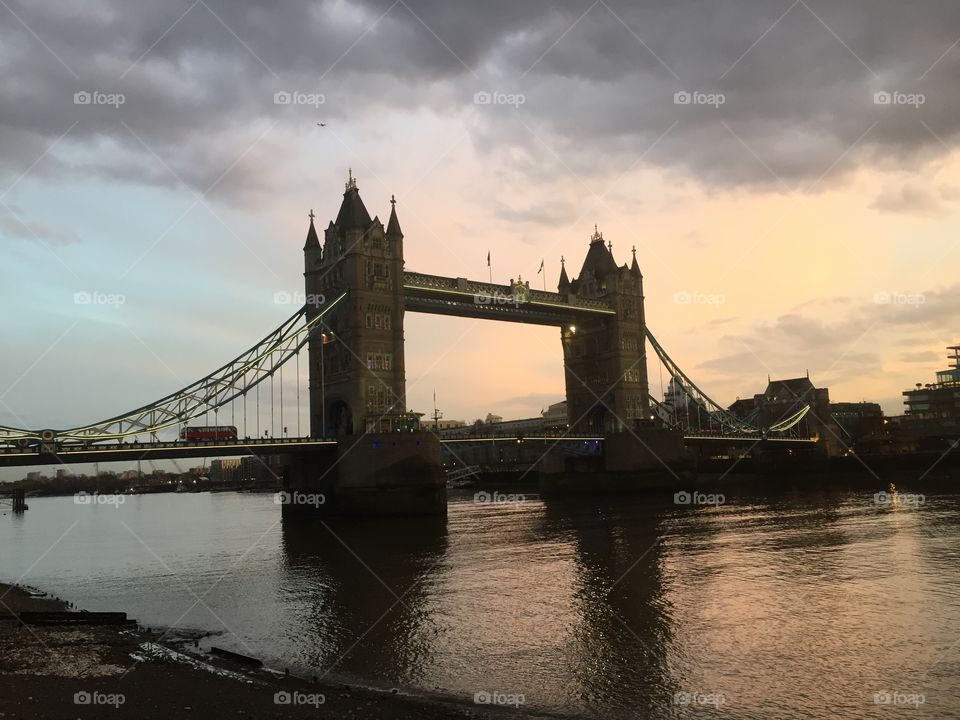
[[52, 667]]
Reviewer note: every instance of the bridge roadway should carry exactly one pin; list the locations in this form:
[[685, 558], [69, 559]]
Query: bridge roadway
[[126, 452]]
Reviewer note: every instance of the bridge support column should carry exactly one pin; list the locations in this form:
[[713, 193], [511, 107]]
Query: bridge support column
[[648, 457], [375, 474]]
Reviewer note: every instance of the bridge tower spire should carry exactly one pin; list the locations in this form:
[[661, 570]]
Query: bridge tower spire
[[564, 284]]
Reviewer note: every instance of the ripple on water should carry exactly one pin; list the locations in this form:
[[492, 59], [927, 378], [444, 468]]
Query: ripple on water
[[800, 604]]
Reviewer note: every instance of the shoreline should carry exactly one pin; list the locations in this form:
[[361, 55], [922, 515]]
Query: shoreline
[[116, 671]]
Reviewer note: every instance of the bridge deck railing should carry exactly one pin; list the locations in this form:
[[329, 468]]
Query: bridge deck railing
[[171, 444]]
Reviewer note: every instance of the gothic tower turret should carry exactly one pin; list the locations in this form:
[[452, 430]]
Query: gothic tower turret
[[605, 358], [357, 378]]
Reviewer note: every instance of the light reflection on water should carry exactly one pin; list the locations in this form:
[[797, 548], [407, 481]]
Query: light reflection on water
[[796, 604]]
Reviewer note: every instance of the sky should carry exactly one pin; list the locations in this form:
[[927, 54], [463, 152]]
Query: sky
[[785, 170]]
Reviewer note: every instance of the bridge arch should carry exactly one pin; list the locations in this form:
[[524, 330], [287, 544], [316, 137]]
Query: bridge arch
[[339, 418]]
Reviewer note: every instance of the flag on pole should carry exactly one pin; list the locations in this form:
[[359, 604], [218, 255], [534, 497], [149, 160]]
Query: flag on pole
[[488, 258], [541, 268]]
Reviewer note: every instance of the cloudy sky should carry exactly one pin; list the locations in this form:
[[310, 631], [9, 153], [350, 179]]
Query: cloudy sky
[[786, 171]]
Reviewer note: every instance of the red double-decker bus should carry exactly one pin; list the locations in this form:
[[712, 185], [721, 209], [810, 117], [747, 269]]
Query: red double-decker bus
[[209, 432]]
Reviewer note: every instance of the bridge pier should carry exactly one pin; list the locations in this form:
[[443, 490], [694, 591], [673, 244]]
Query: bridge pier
[[647, 457], [375, 474]]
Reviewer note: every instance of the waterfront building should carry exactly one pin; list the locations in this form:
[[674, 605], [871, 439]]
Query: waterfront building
[[860, 421], [225, 469], [932, 410]]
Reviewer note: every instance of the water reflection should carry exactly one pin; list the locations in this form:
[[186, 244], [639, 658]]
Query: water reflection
[[362, 588], [623, 627], [796, 603]]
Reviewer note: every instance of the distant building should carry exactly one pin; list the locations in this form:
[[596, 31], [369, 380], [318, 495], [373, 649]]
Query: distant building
[[932, 411], [225, 469], [555, 416], [266, 469], [553, 419], [677, 406], [858, 422], [743, 407], [785, 398], [446, 424]]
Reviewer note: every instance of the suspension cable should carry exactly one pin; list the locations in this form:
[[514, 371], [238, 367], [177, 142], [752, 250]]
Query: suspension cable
[[194, 401]]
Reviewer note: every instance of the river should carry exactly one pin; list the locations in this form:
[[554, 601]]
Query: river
[[804, 602]]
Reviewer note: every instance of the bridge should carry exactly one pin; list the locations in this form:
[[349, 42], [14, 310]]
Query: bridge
[[67, 453], [351, 327]]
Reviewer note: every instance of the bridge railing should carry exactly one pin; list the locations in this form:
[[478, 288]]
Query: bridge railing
[[522, 438], [159, 445]]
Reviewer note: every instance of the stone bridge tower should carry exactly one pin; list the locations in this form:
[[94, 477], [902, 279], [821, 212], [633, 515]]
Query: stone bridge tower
[[357, 380], [605, 364]]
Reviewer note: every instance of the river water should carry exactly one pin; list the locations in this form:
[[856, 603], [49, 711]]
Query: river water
[[799, 603]]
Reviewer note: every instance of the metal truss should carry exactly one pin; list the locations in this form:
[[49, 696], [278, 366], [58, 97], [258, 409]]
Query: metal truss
[[211, 393], [790, 422], [709, 413]]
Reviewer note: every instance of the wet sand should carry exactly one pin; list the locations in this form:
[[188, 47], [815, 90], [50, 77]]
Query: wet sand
[[116, 671]]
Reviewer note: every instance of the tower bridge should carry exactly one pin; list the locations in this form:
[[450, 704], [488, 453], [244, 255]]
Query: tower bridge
[[358, 384], [359, 292]]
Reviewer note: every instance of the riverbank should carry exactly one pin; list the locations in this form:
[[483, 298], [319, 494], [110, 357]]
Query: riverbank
[[118, 671]]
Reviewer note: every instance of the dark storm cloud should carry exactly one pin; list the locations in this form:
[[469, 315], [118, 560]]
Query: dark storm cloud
[[598, 82]]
